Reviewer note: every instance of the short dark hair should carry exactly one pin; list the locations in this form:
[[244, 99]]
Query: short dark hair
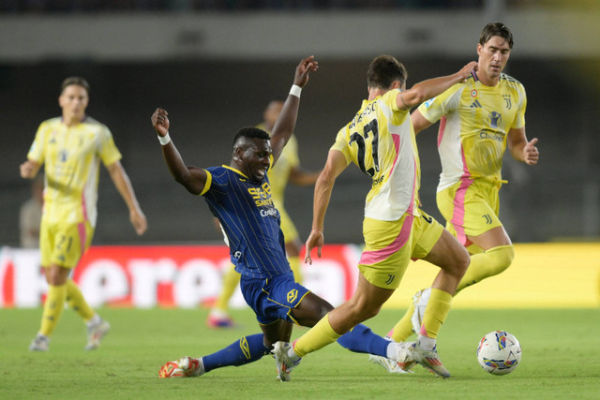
[[250, 133], [75, 80], [496, 29], [384, 70]]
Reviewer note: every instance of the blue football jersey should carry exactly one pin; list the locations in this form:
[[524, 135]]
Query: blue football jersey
[[250, 221]]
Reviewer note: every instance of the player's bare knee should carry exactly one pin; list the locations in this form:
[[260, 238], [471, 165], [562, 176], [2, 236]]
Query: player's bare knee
[[460, 262]]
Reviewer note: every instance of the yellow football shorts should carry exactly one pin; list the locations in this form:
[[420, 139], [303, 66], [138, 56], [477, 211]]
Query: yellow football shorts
[[390, 245], [64, 244], [470, 207]]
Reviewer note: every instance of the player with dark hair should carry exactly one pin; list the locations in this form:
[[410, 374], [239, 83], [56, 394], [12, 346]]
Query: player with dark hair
[[479, 118], [239, 195], [381, 142], [287, 169], [71, 148]]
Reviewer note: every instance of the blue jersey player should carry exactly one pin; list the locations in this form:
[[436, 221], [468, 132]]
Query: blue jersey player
[[239, 195]]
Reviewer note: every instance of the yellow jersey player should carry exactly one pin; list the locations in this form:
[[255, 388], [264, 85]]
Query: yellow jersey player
[[71, 147], [380, 140], [479, 119], [287, 169]]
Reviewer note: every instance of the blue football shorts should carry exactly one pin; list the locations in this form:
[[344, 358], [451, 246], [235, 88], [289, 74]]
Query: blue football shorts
[[273, 298]]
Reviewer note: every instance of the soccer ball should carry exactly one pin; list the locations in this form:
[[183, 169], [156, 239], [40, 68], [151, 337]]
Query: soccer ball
[[499, 353]]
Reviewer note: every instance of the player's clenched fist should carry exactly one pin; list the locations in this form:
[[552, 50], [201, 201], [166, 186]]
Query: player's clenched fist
[[160, 121]]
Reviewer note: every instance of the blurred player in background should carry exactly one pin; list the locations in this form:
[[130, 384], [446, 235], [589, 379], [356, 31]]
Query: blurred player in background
[[71, 148], [30, 215], [478, 119], [380, 140], [286, 169], [239, 195]]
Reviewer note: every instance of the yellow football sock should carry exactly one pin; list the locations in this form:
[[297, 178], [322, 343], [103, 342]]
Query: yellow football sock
[[436, 312], [318, 336], [296, 268], [489, 263], [403, 329], [55, 303], [77, 302], [230, 282]]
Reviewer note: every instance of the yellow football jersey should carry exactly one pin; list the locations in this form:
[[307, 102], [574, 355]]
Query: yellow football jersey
[[475, 121], [380, 140], [71, 155], [280, 173]]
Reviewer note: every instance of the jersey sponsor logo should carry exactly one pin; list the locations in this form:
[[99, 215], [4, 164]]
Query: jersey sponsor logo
[[292, 295], [508, 101], [390, 279], [487, 218], [476, 104], [269, 212], [495, 119], [261, 195], [489, 134]]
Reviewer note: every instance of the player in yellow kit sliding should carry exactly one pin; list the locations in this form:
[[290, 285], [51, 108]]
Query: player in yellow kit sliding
[[287, 169], [479, 119], [71, 148]]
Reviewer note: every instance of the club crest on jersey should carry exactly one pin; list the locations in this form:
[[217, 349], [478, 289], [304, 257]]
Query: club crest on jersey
[[474, 93], [508, 101], [292, 295], [495, 118]]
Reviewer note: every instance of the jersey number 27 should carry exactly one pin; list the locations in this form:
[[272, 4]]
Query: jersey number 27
[[360, 140]]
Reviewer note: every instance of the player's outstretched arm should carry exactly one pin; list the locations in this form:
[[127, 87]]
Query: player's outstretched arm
[[123, 184], [432, 87], [335, 164], [192, 178], [300, 177], [419, 122], [285, 124], [522, 149]]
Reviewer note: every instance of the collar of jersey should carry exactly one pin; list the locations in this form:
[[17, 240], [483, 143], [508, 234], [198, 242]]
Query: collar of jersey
[[235, 170]]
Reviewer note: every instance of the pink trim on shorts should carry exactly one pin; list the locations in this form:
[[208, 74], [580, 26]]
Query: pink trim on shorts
[[458, 215], [396, 139], [441, 131], [375, 256]]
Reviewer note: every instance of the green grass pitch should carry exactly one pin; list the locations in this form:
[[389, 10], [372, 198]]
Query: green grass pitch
[[561, 359]]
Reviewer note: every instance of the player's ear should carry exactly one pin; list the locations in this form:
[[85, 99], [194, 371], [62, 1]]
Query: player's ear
[[237, 152]]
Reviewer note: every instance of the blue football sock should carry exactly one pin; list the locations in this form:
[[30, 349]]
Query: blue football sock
[[361, 339], [247, 349]]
